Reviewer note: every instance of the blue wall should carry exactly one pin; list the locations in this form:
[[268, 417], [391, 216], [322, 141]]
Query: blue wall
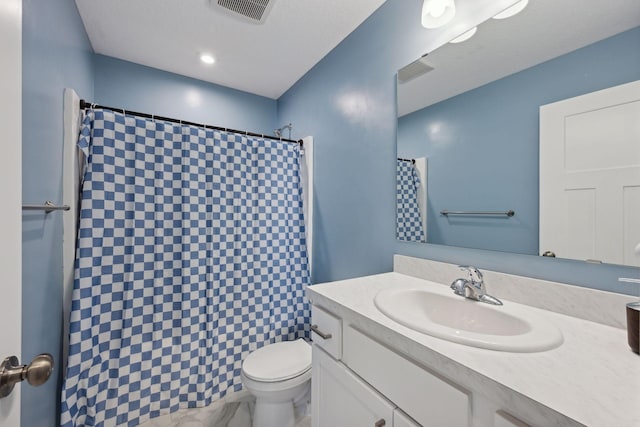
[[347, 101], [122, 84], [481, 128], [56, 54]]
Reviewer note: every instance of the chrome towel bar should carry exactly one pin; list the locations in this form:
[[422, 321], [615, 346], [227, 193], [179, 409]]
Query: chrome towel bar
[[508, 213], [47, 207]]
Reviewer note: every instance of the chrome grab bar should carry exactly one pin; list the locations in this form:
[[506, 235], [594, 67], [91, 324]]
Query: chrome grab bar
[[47, 207], [508, 213]]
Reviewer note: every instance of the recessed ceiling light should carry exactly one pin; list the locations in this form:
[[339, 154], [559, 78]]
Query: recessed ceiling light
[[207, 58], [512, 10], [464, 36]]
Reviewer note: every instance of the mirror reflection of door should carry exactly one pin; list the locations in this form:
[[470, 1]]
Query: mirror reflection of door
[[590, 176]]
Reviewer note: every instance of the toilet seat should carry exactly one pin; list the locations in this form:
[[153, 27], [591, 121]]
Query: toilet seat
[[278, 362]]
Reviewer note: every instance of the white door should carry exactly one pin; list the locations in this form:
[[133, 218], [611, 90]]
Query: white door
[[341, 399], [10, 195], [590, 176]]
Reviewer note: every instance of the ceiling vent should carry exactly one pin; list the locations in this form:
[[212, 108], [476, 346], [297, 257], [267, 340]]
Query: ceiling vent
[[255, 11], [413, 70]]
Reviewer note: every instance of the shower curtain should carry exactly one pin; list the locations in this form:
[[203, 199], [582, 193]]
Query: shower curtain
[[408, 218], [191, 254]]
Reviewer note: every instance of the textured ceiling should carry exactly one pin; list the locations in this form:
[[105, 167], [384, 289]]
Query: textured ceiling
[[544, 30], [264, 59]]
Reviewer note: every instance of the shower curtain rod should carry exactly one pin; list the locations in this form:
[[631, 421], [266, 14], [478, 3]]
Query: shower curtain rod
[[84, 105], [407, 160]]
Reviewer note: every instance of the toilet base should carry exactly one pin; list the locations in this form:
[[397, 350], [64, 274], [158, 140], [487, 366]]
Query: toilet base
[[275, 402], [273, 414]]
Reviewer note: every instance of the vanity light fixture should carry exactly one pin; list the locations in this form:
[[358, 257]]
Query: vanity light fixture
[[512, 10], [436, 13], [207, 58], [464, 36]]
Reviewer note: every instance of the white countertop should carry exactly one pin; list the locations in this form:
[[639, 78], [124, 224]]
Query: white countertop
[[592, 379]]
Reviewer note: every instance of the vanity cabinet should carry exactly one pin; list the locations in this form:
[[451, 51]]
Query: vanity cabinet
[[341, 399], [400, 419], [427, 398], [502, 419], [360, 382]]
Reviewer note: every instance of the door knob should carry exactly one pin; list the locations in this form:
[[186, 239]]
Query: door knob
[[36, 373]]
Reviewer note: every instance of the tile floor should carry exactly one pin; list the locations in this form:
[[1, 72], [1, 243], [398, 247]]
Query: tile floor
[[233, 411]]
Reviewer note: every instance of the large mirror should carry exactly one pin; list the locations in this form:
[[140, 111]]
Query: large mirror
[[469, 131]]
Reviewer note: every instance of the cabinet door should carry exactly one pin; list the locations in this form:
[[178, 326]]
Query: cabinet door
[[341, 399], [400, 419]]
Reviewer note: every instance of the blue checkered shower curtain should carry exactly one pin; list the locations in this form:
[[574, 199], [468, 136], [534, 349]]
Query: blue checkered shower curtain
[[408, 219], [191, 253]]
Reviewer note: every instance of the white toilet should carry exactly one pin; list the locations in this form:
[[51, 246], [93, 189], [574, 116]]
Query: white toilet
[[278, 375]]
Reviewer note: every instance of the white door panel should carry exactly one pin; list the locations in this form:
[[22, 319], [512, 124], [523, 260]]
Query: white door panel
[[600, 139], [10, 192], [589, 176]]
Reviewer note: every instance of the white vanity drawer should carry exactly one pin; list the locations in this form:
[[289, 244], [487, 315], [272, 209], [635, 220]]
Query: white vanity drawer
[[427, 398], [326, 331]]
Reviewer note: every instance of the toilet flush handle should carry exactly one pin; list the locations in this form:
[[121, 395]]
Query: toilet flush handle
[[380, 423]]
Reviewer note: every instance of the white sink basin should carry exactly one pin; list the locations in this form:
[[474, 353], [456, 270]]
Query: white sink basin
[[510, 327]]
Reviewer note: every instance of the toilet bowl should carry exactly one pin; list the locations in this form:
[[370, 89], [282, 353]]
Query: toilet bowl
[[278, 376]]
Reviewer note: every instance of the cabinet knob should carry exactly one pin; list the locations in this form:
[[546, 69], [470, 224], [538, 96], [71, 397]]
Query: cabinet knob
[[380, 423]]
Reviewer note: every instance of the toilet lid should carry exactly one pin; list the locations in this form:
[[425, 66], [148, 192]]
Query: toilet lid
[[278, 362]]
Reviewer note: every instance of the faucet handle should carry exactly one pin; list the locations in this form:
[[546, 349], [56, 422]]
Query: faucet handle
[[471, 270], [458, 286]]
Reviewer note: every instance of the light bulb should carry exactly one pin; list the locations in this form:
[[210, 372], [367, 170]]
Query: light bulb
[[436, 13], [438, 9]]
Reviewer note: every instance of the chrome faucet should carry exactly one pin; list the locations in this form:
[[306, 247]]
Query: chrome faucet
[[473, 287]]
